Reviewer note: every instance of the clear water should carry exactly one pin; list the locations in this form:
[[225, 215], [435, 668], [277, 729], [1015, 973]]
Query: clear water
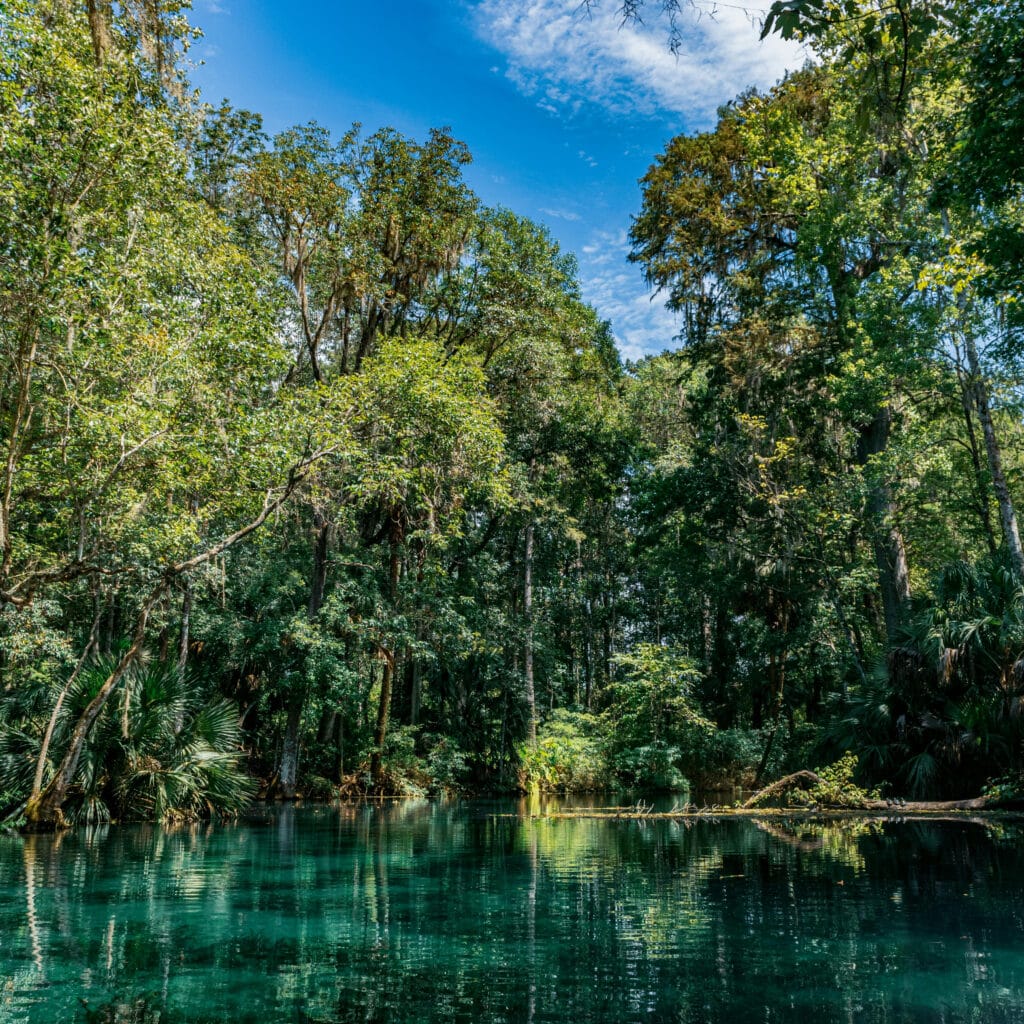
[[421, 912]]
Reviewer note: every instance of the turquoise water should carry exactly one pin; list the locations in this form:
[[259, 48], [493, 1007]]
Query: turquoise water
[[452, 912]]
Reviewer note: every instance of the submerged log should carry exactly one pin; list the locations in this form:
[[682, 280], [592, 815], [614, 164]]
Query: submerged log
[[891, 812]]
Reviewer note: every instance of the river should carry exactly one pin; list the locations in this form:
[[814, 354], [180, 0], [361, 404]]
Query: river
[[478, 912]]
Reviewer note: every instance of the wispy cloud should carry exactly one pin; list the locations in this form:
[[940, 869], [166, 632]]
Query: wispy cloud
[[640, 322], [564, 56], [559, 214]]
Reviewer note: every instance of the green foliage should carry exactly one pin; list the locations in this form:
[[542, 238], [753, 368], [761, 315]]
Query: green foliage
[[653, 766], [159, 751], [570, 756], [946, 718], [727, 757], [447, 766], [837, 787], [463, 514], [405, 773], [1006, 789], [190, 773], [652, 696], [651, 716]]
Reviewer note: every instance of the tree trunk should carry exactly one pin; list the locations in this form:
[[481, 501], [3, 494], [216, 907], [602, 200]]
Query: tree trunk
[[851, 636], [325, 730], [778, 622], [287, 778], [531, 698], [1007, 515], [588, 650], [318, 583], [99, 27], [967, 402], [762, 766], [606, 634], [401, 691], [44, 750], [340, 740], [886, 536], [588, 668], [186, 623], [383, 710], [417, 693], [44, 814], [802, 780], [183, 642], [288, 774], [388, 678]]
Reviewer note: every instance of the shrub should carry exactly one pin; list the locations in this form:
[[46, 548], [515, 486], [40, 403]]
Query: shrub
[[448, 766], [718, 757], [570, 754], [837, 788], [654, 766], [158, 752]]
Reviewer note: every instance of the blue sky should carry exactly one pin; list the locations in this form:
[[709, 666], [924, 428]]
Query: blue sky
[[562, 111]]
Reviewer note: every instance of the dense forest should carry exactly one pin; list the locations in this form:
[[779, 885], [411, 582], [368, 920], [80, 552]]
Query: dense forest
[[318, 477]]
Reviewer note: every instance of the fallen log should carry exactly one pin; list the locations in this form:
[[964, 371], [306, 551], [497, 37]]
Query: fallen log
[[978, 803], [878, 810], [798, 780], [808, 779]]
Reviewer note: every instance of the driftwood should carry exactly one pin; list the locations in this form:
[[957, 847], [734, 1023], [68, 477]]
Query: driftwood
[[979, 803], [798, 780], [807, 779], [876, 810]]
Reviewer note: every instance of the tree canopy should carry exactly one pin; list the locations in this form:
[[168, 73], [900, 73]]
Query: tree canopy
[[318, 476]]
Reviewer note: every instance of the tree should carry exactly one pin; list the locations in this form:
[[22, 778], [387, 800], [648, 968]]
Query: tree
[[142, 430]]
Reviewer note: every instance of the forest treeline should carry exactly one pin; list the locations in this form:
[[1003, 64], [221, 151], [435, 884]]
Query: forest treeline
[[318, 475]]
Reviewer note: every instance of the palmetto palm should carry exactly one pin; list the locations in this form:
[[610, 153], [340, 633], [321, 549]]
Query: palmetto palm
[[159, 751], [948, 705]]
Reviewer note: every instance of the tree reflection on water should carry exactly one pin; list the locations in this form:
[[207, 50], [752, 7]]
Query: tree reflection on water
[[458, 912]]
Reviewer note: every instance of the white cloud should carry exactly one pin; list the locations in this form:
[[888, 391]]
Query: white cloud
[[562, 57], [556, 50], [616, 289], [559, 214]]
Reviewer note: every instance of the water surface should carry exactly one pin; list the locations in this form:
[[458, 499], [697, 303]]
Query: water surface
[[456, 912]]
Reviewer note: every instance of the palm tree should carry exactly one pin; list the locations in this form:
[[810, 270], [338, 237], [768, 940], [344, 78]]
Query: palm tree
[[159, 751], [947, 709]]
